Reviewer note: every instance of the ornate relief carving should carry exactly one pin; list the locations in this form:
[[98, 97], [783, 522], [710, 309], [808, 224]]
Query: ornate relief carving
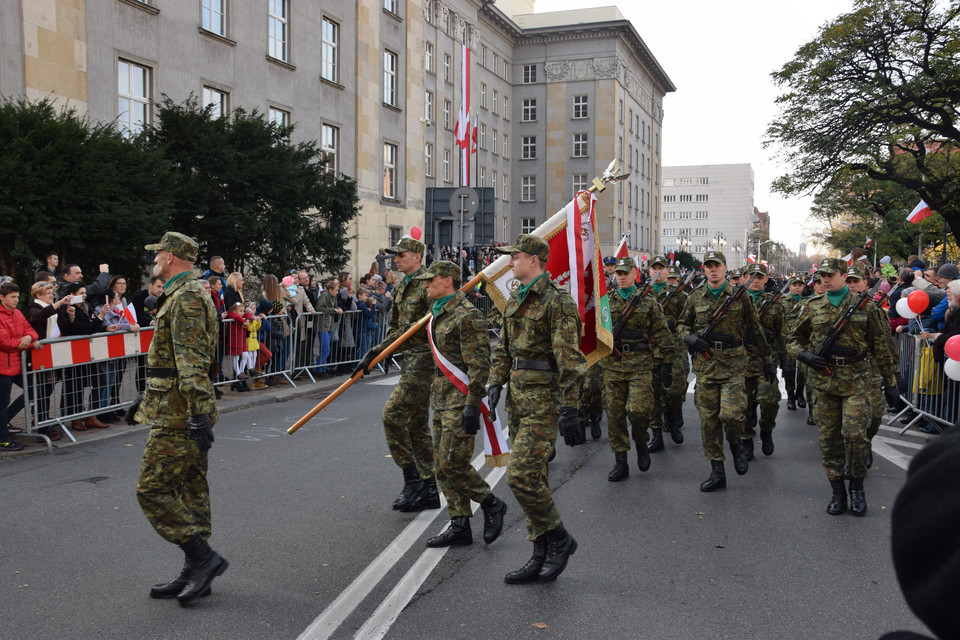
[[474, 37], [606, 67], [368, 195], [556, 71], [581, 70], [460, 30]]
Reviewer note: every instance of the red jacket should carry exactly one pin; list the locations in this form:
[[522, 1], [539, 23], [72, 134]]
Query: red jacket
[[236, 339], [13, 326]]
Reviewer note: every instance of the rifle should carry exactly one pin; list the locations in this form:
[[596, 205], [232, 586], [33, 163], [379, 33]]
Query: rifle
[[772, 301], [627, 312], [670, 294], [842, 323], [721, 311]]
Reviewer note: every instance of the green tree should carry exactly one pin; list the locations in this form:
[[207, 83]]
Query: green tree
[[686, 259], [77, 188], [877, 93], [248, 194]]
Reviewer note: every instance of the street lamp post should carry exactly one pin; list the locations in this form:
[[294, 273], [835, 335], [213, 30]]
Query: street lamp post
[[737, 248], [683, 242], [719, 242]]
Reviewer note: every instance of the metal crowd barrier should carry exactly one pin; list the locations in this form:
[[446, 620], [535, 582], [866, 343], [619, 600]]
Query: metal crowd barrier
[[929, 393]]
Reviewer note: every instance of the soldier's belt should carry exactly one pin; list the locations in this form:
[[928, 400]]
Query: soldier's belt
[[536, 365], [841, 361], [720, 345], [633, 346], [631, 334], [162, 372]]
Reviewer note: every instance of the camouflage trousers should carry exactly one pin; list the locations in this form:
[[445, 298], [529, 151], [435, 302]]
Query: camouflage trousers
[[629, 396], [533, 436], [843, 422], [172, 488], [453, 448], [406, 420], [765, 396], [668, 401], [879, 404], [590, 392], [721, 405]]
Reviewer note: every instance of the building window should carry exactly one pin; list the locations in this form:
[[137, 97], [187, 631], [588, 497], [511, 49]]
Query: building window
[[496, 145], [700, 231], [668, 215], [279, 117], [494, 184], [277, 30], [330, 69], [630, 155], [390, 78], [496, 62], [391, 6], [428, 159], [621, 111], [446, 165], [668, 232], [529, 112], [506, 145], [496, 102], [630, 120], [505, 190], [213, 15], [527, 225], [528, 189], [702, 197], [483, 177], [428, 10], [483, 55], [506, 110], [684, 215], [579, 145], [428, 106], [503, 229], [529, 74], [580, 107], [620, 149], [528, 148], [447, 68], [216, 100], [703, 180], [669, 198], [330, 145], [389, 170], [447, 108], [483, 136], [428, 56], [686, 198], [483, 96], [133, 93], [579, 182]]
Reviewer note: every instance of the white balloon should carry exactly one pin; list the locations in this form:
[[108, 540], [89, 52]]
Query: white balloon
[[903, 308], [952, 369]]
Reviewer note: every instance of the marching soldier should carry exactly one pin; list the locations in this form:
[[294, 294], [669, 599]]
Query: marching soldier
[[406, 412], [734, 277], [642, 359], [458, 340], [839, 378], [539, 355], [791, 304], [802, 389], [180, 408], [591, 402], [720, 363], [666, 410], [763, 391], [676, 395]]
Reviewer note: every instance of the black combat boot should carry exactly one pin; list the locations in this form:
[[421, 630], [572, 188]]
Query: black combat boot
[[457, 534], [412, 485], [621, 470], [801, 398], [553, 454], [204, 564], [870, 457], [717, 479], [656, 441], [766, 442], [839, 502], [675, 422], [560, 546], [747, 444], [858, 501], [740, 462], [791, 400], [643, 457], [595, 431], [427, 498], [494, 509], [810, 416], [530, 572], [173, 588]]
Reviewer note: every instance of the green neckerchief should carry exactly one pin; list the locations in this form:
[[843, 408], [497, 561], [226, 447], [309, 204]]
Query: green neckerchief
[[658, 287], [168, 283], [796, 296], [755, 294], [439, 303], [523, 290], [626, 293], [716, 292], [836, 297]]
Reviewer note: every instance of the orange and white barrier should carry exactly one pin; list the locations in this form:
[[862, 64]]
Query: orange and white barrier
[[71, 352]]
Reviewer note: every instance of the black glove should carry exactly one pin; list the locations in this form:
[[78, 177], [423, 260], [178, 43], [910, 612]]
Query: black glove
[[365, 362], [811, 359], [132, 410], [892, 394], [200, 431], [571, 430], [784, 364], [470, 420], [770, 372], [696, 343], [666, 374], [493, 399]]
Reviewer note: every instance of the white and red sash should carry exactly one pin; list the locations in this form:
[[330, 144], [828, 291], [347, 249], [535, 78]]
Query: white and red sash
[[495, 447]]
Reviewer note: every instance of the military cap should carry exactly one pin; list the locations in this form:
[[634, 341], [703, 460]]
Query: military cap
[[853, 272], [796, 279], [660, 260], [528, 243], [831, 265], [673, 273], [625, 264], [734, 273], [184, 247], [756, 267], [714, 256], [407, 244], [610, 260], [441, 269]]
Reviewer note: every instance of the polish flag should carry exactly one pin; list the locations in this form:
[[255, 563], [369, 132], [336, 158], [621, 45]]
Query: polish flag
[[673, 259], [868, 242], [919, 212], [130, 313], [622, 251], [462, 131], [848, 258], [751, 258]]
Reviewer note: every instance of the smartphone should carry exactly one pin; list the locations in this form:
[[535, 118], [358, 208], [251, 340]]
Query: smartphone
[[76, 299]]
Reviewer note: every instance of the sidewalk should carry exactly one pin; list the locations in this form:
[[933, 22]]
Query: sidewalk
[[230, 402]]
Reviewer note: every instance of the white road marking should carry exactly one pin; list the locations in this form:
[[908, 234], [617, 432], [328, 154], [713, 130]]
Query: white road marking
[[885, 447]]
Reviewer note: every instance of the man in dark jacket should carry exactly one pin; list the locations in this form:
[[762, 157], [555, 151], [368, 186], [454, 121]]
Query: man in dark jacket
[[72, 274]]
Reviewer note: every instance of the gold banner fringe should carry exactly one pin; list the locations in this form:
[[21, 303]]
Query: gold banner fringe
[[497, 461]]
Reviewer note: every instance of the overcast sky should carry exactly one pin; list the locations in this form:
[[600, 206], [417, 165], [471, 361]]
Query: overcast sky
[[720, 56]]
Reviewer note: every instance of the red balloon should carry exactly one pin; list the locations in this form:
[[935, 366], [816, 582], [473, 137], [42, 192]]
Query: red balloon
[[952, 348], [416, 232], [918, 301]]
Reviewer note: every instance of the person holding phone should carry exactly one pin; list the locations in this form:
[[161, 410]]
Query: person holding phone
[[75, 320]]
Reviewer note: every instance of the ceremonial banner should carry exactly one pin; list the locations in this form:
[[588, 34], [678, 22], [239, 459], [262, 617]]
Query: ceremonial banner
[[462, 129], [919, 212]]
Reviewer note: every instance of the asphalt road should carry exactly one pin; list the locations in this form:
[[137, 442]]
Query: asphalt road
[[316, 552]]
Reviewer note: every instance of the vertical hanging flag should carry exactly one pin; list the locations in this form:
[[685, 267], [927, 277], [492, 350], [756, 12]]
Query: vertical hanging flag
[[462, 131], [919, 212], [868, 242], [622, 251]]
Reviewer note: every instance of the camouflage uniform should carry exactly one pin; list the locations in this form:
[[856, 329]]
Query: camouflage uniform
[[460, 335], [406, 413], [720, 397], [761, 392], [545, 327], [629, 379], [791, 311], [671, 398], [172, 487], [591, 389], [842, 405]]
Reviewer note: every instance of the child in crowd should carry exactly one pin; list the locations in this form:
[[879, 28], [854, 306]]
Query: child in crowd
[[236, 344], [368, 322]]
